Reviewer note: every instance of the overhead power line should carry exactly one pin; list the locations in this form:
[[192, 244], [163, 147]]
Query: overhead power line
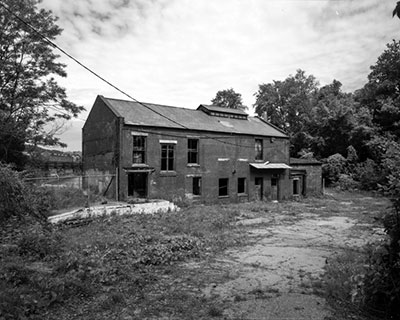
[[53, 44]]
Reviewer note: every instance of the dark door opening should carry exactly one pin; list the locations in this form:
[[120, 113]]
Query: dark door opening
[[274, 188], [137, 184], [296, 185], [259, 188]]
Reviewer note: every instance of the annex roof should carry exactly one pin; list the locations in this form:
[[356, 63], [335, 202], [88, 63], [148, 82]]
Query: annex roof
[[155, 115], [299, 161]]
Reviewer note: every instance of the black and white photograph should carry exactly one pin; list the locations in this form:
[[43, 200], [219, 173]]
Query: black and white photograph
[[180, 159]]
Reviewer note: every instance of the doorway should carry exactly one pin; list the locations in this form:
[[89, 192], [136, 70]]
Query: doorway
[[137, 184], [274, 188], [259, 182]]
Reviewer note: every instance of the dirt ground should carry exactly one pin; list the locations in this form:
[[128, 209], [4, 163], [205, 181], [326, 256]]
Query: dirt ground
[[275, 275]]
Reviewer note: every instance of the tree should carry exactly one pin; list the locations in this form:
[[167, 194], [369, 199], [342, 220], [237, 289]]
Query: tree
[[396, 10], [287, 104], [30, 98], [381, 95], [228, 99], [331, 121]]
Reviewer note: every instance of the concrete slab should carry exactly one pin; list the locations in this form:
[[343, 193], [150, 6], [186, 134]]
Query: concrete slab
[[151, 207]]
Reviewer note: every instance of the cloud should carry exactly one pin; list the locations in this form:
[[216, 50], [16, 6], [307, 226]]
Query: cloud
[[182, 52], [107, 18]]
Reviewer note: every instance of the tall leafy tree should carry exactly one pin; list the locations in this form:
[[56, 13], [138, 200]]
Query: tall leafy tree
[[332, 121], [381, 95], [287, 104], [228, 99], [30, 98]]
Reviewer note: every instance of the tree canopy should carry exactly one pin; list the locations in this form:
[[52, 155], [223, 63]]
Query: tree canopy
[[228, 99], [381, 94], [30, 98], [286, 103]]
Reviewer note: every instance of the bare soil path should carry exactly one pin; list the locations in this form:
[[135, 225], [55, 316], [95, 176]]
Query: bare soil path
[[277, 273]]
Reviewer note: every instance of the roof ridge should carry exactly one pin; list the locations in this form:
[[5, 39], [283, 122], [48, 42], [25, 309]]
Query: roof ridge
[[150, 103]]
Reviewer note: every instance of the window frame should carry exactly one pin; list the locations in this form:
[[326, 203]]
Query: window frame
[[141, 150], [258, 149], [167, 163], [223, 187], [244, 184], [193, 152]]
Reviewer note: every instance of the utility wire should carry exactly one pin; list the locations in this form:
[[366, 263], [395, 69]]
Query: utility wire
[[53, 44]]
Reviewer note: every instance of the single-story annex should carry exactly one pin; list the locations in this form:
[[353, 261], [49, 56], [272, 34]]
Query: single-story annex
[[211, 154]]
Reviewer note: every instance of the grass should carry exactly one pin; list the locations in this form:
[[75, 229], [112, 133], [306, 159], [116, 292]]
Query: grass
[[129, 265], [137, 267]]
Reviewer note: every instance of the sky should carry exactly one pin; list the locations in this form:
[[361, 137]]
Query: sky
[[182, 52]]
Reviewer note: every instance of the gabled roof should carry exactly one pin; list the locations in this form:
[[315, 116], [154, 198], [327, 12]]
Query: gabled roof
[[155, 115]]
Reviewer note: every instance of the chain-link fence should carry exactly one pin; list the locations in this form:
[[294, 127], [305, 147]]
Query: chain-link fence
[[101, 184]]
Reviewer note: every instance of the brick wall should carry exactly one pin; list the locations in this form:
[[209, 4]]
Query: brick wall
[[219, 157]]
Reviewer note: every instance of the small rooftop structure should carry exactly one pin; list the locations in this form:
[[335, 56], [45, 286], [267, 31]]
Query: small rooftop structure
[[217, 111]]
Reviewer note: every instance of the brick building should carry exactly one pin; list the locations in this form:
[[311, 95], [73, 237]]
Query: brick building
[[306, 176], [212, 154]]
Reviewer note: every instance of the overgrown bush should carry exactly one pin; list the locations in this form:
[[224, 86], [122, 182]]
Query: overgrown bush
[[31, 252], [333, 167], [346, 182], [374, 285], [368, 174], [15, 200]]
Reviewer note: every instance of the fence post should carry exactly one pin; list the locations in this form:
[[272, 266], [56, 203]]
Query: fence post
[[116, 183]]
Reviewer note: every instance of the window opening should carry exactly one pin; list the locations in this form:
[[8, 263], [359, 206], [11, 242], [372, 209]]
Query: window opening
[[193, 151], [241, 185], [223, 187], [167, 157], [139, 149], [258, 149]]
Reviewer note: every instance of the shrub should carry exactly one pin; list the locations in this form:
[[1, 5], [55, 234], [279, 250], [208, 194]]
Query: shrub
[[12, 196], [36, 240], [346, 182], [334, 166], [368, 174], [380, 289]]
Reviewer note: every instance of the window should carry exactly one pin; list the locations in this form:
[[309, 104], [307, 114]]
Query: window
[[193, 151], [241, 185], [167, 157], [139, 149], [223, 187], [196, 186], [259, 149]]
